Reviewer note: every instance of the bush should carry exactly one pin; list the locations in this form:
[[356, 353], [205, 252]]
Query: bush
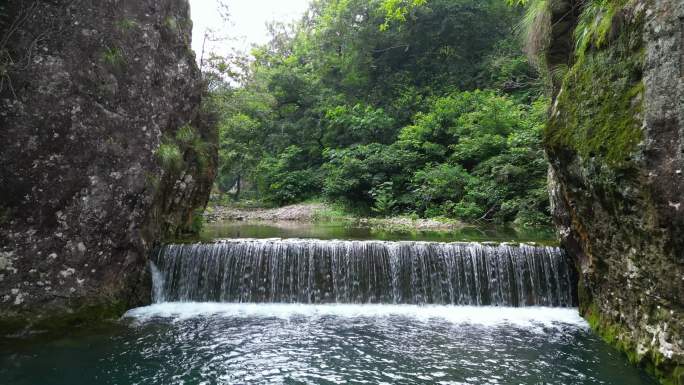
[[383, 197], [352, 174], [281, 181], [435, 185]]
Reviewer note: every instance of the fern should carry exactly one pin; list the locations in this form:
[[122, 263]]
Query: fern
[[594, 24]]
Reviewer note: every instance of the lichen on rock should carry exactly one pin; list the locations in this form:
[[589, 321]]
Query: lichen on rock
[[91, 90]]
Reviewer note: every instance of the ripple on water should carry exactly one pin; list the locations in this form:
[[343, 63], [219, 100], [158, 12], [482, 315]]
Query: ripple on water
[[332, 344]]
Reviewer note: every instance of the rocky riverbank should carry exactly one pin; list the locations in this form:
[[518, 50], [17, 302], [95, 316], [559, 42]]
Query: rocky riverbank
[[321, 212]]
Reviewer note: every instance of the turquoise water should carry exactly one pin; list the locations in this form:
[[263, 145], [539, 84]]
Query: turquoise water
[[275, 343], [206, 343], [349, 230]]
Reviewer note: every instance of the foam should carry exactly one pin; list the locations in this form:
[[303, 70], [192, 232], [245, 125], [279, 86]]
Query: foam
[[528, 317]]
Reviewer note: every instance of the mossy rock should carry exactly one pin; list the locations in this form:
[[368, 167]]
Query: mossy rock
[[59, 320], [617, 335], [598, 110]]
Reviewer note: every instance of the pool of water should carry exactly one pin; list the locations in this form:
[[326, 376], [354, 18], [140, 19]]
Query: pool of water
[[355, 231], [211, 343]]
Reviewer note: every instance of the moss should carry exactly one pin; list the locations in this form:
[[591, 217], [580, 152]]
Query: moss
[[114, 57], [5, 214], [126, 25], [597, 113], [616, 335], [56, 321], [83, 315], [596, 121], [152, 180], [197, 222], [677, 376], [583, 296], [10, 325], [171, 23]]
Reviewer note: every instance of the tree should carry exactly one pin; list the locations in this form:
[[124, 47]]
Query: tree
[[391, 106]]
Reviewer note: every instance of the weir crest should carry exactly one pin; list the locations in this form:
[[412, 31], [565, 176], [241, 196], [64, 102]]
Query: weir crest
[[318, 271]]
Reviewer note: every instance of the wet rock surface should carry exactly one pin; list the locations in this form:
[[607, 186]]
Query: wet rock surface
[[94, 169], [616, 146]]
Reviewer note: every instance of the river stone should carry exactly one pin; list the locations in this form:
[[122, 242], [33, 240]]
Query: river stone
[[90, 90], [615, 142]]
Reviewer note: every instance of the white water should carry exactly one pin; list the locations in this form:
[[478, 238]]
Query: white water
[[527, 317], [157, 283], [308, 311], [318, 271]]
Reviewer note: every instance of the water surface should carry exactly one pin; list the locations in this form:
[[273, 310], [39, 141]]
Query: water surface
[[355, 231], [212, 343]]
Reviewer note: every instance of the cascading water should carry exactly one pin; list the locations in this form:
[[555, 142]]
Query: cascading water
[[316, 271], [342, 312]]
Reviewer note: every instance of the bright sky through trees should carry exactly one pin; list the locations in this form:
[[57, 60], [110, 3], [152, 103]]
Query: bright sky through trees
[[246, 24]]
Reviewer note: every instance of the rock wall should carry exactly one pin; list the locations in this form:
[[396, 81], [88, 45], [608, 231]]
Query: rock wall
[[616, 146], [105, 150]]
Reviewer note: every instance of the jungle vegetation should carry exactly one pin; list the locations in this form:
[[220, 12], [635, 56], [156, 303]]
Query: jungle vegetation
[[427, 108]]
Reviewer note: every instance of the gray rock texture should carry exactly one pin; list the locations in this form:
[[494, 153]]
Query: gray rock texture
[[105, 151], [616, 145]]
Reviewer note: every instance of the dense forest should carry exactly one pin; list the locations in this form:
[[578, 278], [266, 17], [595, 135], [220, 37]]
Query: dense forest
[[428, 111]]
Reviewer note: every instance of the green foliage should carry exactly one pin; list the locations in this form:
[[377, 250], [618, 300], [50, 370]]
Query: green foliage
[[186, 148], [186, 134], [114, 57], [396, 10], [537, 26], [347, 126], [170, 157], [331, 212], [438, 186], [197, 222], [431, 114], [281, 182], [126, 24], [602, 100], [595, 23], [506, 69], [171, 23], [383, 199], [517, 2], [352, 173]]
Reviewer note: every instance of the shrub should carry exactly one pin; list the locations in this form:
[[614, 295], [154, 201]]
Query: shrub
[[185, 134], [437, 184], [383, 198], [169, 156], [283, 180], [352, 173]]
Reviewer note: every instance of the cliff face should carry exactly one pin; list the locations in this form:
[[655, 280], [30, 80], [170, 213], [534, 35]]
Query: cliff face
[[105, 150], [616, 145]]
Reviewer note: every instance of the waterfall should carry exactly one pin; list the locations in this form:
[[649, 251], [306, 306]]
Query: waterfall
[[158, 283], [317, 271]]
